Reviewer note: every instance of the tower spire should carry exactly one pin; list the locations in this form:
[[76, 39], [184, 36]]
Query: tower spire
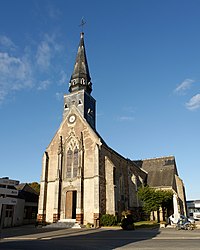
[[80, 78]]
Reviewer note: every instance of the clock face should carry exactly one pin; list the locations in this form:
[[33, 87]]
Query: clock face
[[72, 118]]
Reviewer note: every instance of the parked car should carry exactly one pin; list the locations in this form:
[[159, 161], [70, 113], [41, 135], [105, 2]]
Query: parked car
[[174, 220]]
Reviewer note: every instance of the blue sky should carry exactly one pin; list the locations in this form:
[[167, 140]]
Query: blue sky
[[144, 60]]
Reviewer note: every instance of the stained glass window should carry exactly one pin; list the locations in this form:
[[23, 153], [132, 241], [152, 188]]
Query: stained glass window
[[69, 163], [75, 167], [72, 163]]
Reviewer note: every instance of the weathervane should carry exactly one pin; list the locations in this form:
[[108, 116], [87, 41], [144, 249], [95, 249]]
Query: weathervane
[[83, 22]]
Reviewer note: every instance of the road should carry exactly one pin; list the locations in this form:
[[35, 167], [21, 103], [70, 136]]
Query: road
[[104, 238]]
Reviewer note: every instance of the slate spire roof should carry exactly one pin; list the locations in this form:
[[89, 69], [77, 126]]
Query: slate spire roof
[[80, 78]]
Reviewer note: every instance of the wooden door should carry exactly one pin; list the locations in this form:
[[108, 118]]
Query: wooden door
[[70, 207]]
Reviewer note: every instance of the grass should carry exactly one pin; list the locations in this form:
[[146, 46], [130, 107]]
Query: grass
[[142, 224], [146, 224]]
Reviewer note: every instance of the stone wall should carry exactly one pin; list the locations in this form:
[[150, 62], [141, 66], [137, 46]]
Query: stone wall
[[122, 180], [181, 195], [106, 181]]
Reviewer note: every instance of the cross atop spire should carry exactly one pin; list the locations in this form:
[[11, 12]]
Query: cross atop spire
[[80, 78], [83, 22]]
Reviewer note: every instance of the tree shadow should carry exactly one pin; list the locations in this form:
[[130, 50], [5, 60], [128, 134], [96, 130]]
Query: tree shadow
[[82, 239]]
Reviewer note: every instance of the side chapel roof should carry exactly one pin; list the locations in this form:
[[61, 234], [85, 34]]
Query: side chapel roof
[[161, 171]]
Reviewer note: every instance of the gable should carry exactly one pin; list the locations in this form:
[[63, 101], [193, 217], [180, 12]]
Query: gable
[[27, 193], [73, 124]]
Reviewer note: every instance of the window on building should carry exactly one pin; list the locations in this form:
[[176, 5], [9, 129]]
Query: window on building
[[69, 163], [83, 81], [72, 163], [75, 167], [121, 185], [114, 176]]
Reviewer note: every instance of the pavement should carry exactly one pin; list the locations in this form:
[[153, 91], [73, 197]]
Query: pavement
[[31, 232], [30, 237]]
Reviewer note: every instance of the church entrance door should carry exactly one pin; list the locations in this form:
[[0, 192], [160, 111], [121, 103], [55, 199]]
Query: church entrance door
[[70, 207]]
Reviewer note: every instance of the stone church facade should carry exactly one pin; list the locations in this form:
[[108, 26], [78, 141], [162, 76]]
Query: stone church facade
[[82, 177]]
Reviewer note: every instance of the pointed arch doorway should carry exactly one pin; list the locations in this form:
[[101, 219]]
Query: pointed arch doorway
[[70, 205]]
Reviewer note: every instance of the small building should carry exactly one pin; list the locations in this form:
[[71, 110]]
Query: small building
[[8, 201], [163, 175], [18, 203], [29, 198], [193, 209]]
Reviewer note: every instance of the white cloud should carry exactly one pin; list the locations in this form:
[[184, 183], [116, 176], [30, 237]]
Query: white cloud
[[186, 84], [126, 118], [3, 94], [59, 96], [43, 55], [129, 109], [6, 42], [15, 74], [53, 12], [44, 85], [194, 102], [21, 71], [128, 114], [63, 77], [46, 51]]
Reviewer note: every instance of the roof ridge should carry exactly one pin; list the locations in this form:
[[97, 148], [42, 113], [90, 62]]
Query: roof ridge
[[158, 158]]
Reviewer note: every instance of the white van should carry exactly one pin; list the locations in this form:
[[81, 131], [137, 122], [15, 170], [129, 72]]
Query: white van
[[196, 214]]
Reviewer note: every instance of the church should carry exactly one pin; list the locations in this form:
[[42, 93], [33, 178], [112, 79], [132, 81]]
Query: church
[[82, 177]]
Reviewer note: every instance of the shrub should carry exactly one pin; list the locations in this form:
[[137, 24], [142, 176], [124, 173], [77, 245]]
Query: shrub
[[89, 225], [108, 220], [128, 223]]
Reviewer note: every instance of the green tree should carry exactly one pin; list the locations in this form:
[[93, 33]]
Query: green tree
[[35, 186], [154, 199], [165, 198]]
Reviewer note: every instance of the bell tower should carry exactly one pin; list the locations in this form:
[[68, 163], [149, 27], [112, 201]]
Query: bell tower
[[80, 88]]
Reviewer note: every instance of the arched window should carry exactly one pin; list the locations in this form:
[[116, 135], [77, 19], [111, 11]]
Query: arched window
[[69, 163], [83, 81], [114, 176], [135, 182], [121, 187], [72, 163], [75, 167]]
